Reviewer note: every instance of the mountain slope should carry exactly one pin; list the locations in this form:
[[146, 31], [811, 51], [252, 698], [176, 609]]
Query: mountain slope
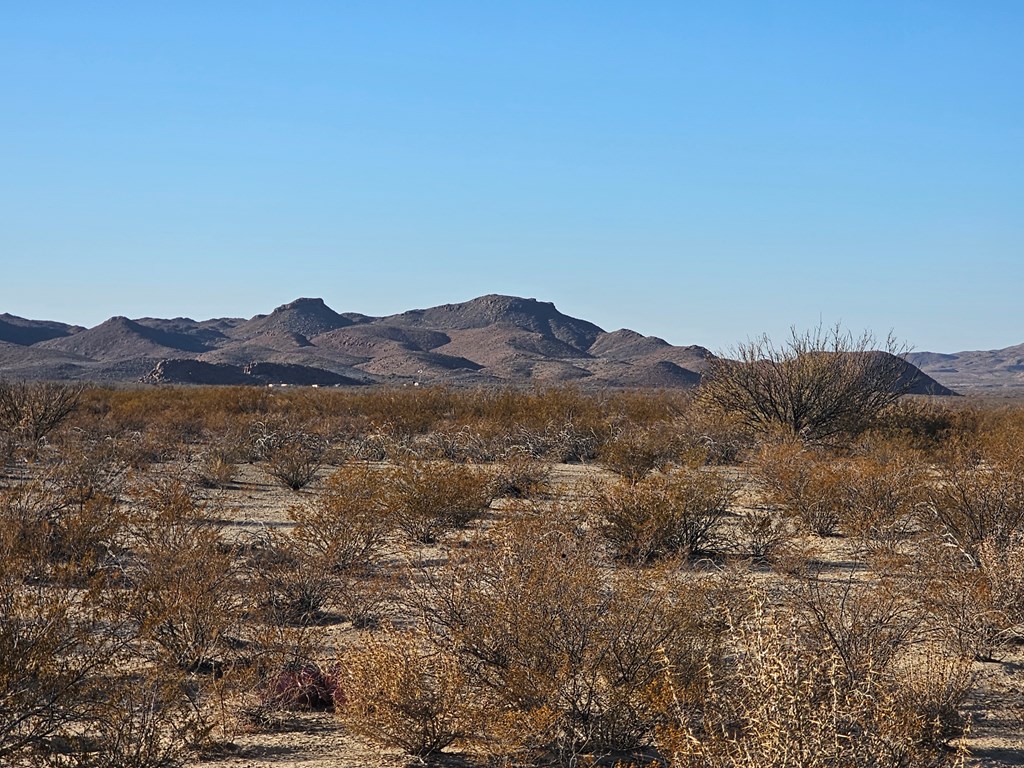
[[122, 339], [493, 339], [18, 330], [499, 311], [306, 317], [994, 371]]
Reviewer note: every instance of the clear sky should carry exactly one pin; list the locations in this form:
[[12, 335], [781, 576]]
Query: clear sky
[[702, 171]]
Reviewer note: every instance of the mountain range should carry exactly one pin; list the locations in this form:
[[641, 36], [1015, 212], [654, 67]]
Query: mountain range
[[492, 339]]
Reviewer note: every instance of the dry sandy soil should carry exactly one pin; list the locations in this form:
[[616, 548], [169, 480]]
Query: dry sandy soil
[[317, 740]]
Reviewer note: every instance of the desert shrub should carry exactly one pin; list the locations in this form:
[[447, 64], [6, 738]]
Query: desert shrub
[[347, 521], [662, 515], [32, 410], [67, 515], [289, 581], [456, 443], [785, 698], [981, 602], [379, 445], [818, 386], [1002, 564], [329, 559], [807, 487], [762, 533], [293, 584], [402, 692], [884, 499], [292, 457], [143, 722], [427, 498], [214, 462], [64, 539], [974, 502], [634, 451], [573, 441], [865, 621], [185, 596], [560, 657], [520, 476], [924, 423], [55, 650], [716, 435]]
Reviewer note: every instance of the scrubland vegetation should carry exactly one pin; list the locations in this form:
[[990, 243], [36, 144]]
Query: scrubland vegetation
[[522, 577]]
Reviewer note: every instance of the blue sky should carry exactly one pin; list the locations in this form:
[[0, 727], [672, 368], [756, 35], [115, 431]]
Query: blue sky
[[704, 172]]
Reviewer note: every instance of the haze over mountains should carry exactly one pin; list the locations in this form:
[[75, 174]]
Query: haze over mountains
[[489, 340]]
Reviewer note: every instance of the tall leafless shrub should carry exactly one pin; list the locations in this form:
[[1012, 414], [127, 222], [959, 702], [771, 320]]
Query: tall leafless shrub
[[32, 410], [818, 385]]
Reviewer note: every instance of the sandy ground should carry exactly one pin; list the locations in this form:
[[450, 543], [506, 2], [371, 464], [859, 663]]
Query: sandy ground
[[318, 740]]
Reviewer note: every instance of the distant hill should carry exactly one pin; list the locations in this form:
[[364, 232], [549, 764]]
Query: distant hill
[[18, 330], [997, 371], [305, 317], [492, 339]]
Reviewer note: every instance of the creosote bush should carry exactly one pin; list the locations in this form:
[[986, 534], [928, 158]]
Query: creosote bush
[[886, 498], [65, 698], [561, 659], [635, 451], [806, 486], [348, 520], [427, 498], [292, 457], [188, 603], [66, 517], [520, 476], [401, 691], [661, 515], [974, 501]]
